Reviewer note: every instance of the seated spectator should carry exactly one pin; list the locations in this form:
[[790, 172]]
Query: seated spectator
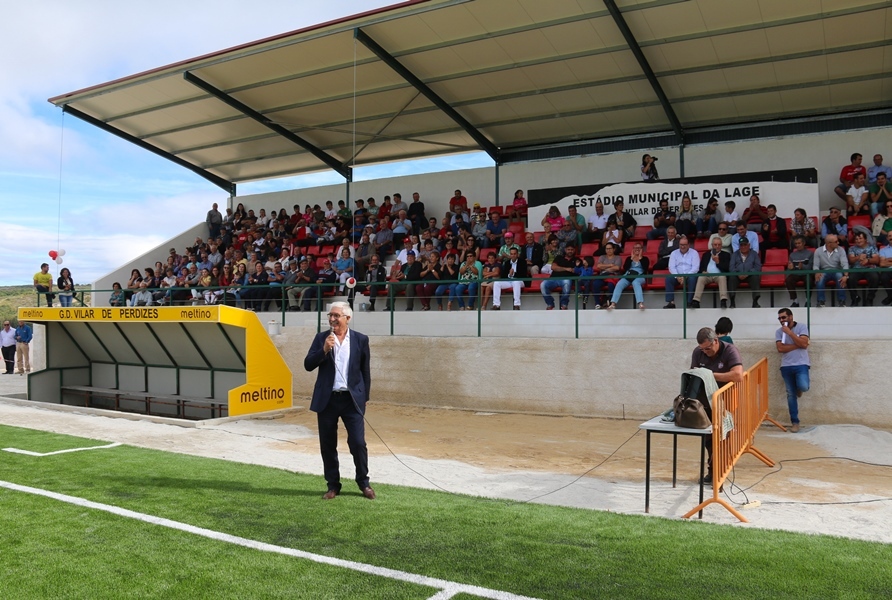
[[533, 253], [577, 222], [723, 232], [636, 266], [255, 292], [448, 278], [511, 276], [458, 202], [212, 290], [682, 261], [863, 255], [343, 268], [801, 259], [714, 264], [433, 230], [300, 283], [325, 276], [566, 235], [398, 206], [745, 260], [885, 268], [143, 297], [505, 250], [731, 217], [835, 224], [431, 274], [663, 218], [407, 278], [376, 278], [585, 270], [882, 223], [755, 214], [479, 230], [491, 272], [495, 230], [876, 168], [411, 244], [469, 274], [385, 209], [847, 176], [384, 239], [833, 262], [743, 232], [686, 218], [612, 235], [610, 264], [133, 283], [624, 221], [802, 225], [561, 270], [117, 296], [459, 225], [518, 208], [858, 197], [774, 232], [363, 256], [880, 193], [708, 219], [554, 218], [666, 248], [597, 223], [550, 253], [343, 211]]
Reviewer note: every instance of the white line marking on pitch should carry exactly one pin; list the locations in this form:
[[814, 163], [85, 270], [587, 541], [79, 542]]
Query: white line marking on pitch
[[38, 454], [449, 587]]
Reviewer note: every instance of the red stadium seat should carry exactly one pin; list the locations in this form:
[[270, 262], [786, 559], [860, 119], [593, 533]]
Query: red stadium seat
[[777, 256], [653, 246], [588, 249]]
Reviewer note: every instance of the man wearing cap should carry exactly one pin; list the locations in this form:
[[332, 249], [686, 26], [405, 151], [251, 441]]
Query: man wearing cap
[[505, 250], [495, 230], [745, 260]]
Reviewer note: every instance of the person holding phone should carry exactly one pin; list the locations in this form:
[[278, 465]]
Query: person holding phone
[[792, 341]]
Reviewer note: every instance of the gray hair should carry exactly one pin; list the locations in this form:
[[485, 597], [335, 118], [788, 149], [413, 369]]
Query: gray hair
[[345, 308], [707, 334]]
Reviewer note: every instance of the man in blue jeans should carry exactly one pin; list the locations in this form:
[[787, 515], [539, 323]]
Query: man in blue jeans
[[561, 267], [792, 342]]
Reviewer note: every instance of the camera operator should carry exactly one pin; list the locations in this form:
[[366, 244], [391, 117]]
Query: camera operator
[[649, 169]]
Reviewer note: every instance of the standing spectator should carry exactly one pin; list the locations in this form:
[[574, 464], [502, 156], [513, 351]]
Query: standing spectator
[[649, 172], [792, 341], [23, 335], [117, 297], [65, 285], [214, 221], [714, 264], [876, 168], [682, 261], [398, 205], [43, 283], [561, 269], [847, 175], [416, 213], [801, 259], [663, 218], [830, 259], [858, 197], [880, 193], [7, 346], [863, 255], [745, 262]]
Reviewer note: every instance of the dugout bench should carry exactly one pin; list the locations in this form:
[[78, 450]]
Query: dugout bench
[[193, 363]]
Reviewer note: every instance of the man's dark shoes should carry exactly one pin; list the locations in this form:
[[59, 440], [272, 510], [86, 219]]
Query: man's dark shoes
[[330, 495], [887, 301], [670, 305], [756, 302], [724, 303], [368, 493], [856, 300], [695, 304]]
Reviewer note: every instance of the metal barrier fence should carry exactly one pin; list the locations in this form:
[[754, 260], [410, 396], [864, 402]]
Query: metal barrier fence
[[738, 410], [327, 290]]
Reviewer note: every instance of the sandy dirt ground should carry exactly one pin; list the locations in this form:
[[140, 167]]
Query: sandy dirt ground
[[596, 464]]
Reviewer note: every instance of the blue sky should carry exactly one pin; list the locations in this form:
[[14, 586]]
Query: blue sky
[[66, 184]]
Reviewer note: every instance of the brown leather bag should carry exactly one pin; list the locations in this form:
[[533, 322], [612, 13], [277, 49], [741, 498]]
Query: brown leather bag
[[690, 414]]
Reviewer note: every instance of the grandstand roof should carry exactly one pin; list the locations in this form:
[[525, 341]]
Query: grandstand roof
[[429, 77]]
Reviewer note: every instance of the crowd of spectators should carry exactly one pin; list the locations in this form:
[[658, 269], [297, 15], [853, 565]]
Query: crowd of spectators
[[469, 255]]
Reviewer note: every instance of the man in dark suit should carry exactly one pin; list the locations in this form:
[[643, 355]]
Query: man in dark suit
[[533, 253], [341, 392], [512, 273], [716, 263]]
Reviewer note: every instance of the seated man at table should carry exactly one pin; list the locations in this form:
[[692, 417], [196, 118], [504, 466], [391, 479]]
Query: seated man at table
[[726, 365]]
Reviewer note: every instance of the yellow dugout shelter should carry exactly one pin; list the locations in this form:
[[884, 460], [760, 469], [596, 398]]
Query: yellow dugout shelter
[[184, 362]]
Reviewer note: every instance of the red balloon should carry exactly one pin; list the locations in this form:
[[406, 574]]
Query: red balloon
[[53, 254]]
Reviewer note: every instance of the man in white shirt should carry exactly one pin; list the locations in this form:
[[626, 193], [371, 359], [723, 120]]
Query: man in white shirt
[[597, 223], [858, 197], [682, 261]]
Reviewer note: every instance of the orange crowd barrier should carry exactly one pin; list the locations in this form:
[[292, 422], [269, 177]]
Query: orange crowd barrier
[[746, 403]]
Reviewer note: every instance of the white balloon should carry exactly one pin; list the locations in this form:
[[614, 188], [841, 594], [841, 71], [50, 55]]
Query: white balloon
[[351, 283], [61, 252], [58, 260]]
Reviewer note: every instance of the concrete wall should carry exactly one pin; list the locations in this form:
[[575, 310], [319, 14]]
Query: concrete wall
[[616, 378], [826, 152]]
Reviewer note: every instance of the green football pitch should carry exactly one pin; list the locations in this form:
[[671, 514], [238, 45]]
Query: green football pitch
[[84, 519]]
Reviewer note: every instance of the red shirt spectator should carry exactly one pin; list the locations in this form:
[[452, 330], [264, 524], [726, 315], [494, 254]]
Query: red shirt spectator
[[458, 200]]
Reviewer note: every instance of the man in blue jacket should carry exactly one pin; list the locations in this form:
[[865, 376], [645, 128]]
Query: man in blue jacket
[[23, 335], [341, 392]]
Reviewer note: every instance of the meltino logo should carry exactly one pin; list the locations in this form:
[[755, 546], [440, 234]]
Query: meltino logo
[[266, 393]]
